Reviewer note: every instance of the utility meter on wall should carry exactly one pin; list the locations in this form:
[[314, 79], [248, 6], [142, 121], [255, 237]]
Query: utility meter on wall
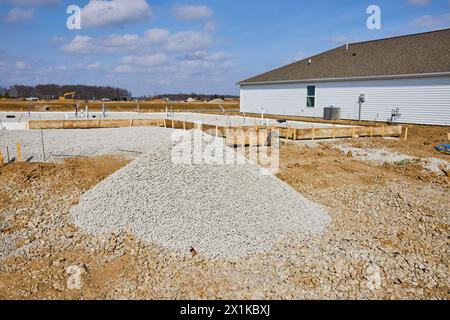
[[362, 98]]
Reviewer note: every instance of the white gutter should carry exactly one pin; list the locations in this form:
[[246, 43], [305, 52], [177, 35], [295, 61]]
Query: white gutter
[[400, 76]]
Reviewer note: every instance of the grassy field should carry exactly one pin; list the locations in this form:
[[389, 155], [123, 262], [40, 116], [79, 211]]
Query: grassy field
[[146, 106]]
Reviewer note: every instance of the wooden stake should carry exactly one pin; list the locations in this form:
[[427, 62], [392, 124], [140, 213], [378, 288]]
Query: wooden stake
[[173, 124], [371, 132], [448, 136], [184, 125], [334, 131], [1, 159], [217, 131], [353, 132], [406, 134], [313, 133], [165, 125], [19, 158], [382, 131]]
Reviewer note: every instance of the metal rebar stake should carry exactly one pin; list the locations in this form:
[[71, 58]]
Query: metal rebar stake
[[42, 143]]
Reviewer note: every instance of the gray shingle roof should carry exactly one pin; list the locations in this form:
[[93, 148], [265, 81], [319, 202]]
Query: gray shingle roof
[[411, 54]]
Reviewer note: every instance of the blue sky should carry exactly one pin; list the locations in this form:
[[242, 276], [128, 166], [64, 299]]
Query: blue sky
[[154, 46]]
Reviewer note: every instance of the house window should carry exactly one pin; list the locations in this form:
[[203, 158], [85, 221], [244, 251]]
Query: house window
[[311, 96]]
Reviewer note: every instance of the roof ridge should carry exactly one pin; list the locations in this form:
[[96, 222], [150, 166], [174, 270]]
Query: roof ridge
[[400, 36]]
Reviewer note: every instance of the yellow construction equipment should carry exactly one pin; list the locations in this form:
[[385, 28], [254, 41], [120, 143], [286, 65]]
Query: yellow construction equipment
[[63, 98]]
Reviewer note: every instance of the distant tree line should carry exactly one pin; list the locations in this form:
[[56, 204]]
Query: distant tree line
[[4, 92], [52, 91], [83, 92], [196, 96]]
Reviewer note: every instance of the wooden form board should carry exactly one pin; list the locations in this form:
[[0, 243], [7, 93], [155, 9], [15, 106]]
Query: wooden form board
[[231, 133], [247, 136], [90, 124], [339, 132]]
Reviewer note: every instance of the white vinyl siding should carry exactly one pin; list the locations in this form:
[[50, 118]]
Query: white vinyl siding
[[420, 100]]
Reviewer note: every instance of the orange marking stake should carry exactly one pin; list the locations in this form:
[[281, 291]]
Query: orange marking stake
[[19, 158], [1, 159]]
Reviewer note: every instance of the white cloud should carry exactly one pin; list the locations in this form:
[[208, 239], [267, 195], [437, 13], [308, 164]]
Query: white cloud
[[429, 21], [219, 56], [21, 65], [81, 44], [189, 13], [117, 41], [164, 66], [203, 55], [18, 14], [151, 60], [93, 66], [152, 40], [122, 69], [100, 13], [419, 2], [189, 41], [156, 35], [55, 69], [181, 57], [196, 55]]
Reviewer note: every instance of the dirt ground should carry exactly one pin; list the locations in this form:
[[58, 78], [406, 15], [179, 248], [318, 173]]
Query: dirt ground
[[388, 238]]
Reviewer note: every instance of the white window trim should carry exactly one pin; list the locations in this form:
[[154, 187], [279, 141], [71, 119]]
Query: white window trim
[[314, 96]]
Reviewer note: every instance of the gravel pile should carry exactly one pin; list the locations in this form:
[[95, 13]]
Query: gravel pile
[[60, 144], [382, 156], [379, 156], [222, 211]]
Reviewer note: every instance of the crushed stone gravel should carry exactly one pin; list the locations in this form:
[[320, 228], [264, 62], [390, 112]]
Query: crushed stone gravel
[[222, 211], [381, 156], [64, 143]]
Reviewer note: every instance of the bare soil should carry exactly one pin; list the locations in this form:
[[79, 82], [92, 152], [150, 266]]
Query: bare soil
[[389, 223]]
